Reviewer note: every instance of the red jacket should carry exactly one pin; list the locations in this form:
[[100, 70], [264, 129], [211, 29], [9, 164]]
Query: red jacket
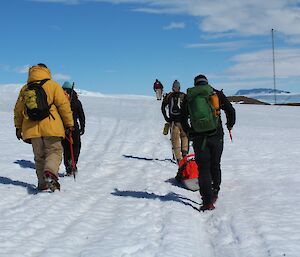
[[157, 85]]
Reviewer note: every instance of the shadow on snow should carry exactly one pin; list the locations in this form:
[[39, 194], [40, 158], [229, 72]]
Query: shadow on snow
[[174, 182], [148, 159], [25, 164], [31, 189], [152, 196]]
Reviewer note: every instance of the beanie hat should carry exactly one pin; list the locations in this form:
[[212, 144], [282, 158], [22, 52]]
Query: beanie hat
[[42, 65], [200, 79], [66, 85], [176, 85]]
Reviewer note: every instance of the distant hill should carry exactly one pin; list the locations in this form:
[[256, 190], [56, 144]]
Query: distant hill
[[245, 100], [256, 91]]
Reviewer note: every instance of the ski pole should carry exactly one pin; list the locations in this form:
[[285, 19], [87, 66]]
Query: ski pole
[[230, 135]]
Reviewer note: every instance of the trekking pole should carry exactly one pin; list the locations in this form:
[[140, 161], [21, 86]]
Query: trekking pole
[[230, 135]]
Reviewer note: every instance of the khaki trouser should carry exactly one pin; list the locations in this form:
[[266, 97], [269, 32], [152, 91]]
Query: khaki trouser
[[180, 142], [158, 93], [47, 156]]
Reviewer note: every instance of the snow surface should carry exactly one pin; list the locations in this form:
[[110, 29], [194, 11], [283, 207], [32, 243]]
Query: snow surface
[[125, 202]]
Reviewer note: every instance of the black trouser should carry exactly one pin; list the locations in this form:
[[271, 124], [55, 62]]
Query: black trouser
[[208, 157], [76, 148]]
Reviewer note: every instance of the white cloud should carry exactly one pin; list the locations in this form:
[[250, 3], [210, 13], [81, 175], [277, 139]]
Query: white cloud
[[293, 39], [59, 76], [254, 17], [175, 25], [260, 65], [230, 45], [4, 67], [70, 2], [23, 69], [8, 68]]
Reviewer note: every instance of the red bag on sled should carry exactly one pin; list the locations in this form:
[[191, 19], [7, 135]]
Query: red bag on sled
[[187, 173]]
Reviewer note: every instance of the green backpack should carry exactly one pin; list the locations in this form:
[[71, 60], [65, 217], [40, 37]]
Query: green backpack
[[201, 110]]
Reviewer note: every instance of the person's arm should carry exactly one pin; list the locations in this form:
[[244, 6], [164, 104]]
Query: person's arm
[[81, 117], [18, 114], [228, 109], [18, 110], [163, 107], [185, 116]]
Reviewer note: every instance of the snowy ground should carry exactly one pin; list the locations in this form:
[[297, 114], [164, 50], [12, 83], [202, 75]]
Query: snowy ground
[[125, 202]]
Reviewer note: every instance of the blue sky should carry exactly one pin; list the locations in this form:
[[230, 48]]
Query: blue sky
[[122, 46]]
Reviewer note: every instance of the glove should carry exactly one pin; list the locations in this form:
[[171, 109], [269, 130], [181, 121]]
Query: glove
[[69, 131], [18, 133], [229, 126], [81, 131], [167, 119]]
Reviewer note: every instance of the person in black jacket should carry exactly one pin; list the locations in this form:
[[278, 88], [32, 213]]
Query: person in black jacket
[[173, 102], [78, 114], [208, 149]]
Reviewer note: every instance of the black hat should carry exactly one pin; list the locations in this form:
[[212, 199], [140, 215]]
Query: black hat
[[176, 85], [42, 65], [200, 79]]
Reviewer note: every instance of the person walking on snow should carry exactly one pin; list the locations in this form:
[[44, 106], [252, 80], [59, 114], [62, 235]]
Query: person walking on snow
[[158, 89], [173, 102], [46, 134], [78, 114], [208, 147]]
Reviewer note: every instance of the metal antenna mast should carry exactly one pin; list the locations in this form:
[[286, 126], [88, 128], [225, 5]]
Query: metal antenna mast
[[274, 77]]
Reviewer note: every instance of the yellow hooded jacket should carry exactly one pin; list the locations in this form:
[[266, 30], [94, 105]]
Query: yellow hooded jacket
[[61, 117]]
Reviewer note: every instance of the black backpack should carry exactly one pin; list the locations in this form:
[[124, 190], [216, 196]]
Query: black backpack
[[36, 104], [175, 104]]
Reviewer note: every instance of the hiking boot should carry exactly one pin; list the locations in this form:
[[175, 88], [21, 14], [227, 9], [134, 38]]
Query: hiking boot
[[214, 196], [69, 171], [214, 199], [207, 207], [51, 180], [42, 187]]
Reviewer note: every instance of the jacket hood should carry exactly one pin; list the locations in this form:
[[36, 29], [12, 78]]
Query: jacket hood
[[38, 73]]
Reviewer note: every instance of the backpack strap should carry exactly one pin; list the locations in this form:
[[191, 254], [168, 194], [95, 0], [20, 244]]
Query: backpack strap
[[168, 97], [39, 82]]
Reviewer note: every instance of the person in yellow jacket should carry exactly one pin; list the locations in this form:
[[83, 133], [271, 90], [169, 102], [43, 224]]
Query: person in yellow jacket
[[45, 135]]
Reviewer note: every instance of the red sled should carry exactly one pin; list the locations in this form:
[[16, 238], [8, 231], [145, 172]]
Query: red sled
[[188, 173]]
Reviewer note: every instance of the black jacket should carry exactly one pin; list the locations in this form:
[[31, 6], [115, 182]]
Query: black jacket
[[225, 105], [76, 107]]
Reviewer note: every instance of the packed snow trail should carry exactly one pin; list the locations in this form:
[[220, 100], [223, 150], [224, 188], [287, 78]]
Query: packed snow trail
[[125, 202]]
